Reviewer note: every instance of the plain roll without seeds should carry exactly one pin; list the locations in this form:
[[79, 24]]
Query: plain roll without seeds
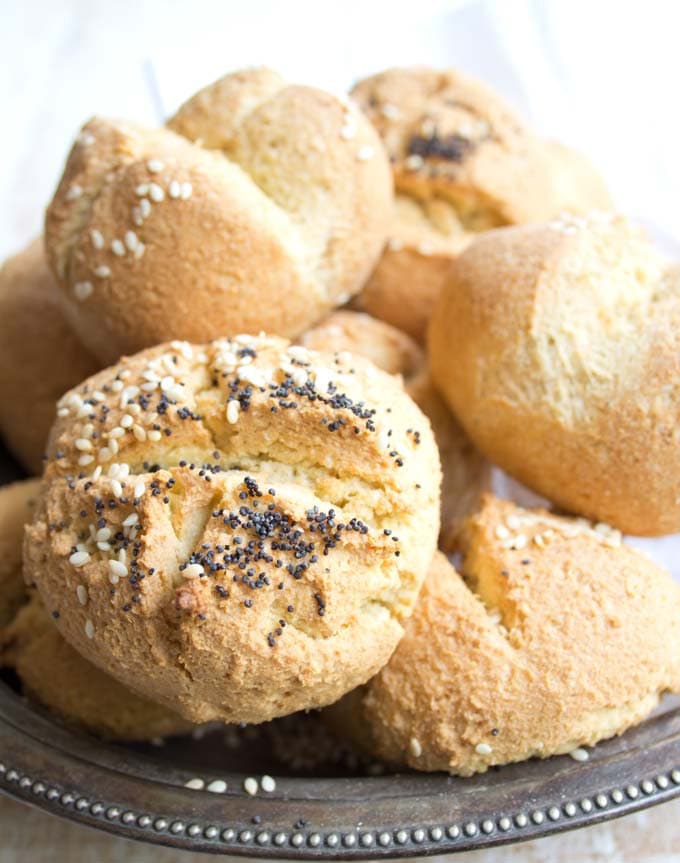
[[252, 522], [265, 216], [557, 347]]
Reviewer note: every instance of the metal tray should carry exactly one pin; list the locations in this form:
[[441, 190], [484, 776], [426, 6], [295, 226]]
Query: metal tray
[[327, 803]]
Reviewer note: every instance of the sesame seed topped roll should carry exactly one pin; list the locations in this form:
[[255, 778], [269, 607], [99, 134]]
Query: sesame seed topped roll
[[251, 522], [262, 207]]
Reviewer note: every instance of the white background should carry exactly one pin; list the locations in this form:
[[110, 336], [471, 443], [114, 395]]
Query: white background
[[601, 75]]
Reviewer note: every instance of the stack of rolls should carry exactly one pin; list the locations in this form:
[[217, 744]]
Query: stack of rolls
[[248, 492]]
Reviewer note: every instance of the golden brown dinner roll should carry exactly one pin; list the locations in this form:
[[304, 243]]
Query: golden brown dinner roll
[[238, 529], [17, 502], [40, 358], [557, 346], [277, 219], [558, 637], [463, 162], [465, 473], [57, 676]]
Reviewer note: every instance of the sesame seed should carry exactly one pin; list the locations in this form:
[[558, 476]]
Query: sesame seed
[[126, 421], [268, 784], [117, 489], [117, 248], [187, 190], [156, 193], [390, 112], [365, 153], [579, 754], [103, 272], [104, 454], [145, 208], [81, 593], [84, 460], [250, 786], [483, 749], [233, 409], [174, 189], [154, 435], [139, 433], [63, 412], [155, 166], [142, 190], [217, 786], [415, 747], [103, 534], [349, 130], [74, 192], [97, 239], [117, 432], [89, 629], [131, 520], [195, 784], [414, 162], [117, 570], [139, 250], [193, 570], [138, 490], [83, 444], [131, 240], [82, 290]]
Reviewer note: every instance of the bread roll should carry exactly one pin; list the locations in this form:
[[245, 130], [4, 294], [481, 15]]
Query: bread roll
[[557, 347], [463, 162], [40, 358], [247, 522], [557, 637], [17, 502], [277, 219], [465, 473], [49, 668], [57, 676]]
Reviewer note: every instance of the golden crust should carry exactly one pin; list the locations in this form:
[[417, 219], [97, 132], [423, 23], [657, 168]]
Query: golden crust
[[504, 672], [197, 544], [49, 668], [463, 162], [557, 347], [153, 236], [17, 503], [57, 676], [40, 358], [465, 473]]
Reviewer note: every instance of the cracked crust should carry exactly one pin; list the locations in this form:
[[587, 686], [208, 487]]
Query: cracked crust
[[256, 190], [558, 637], [463, 162], [465, 473], [251, 524], [50, 670], [40, 358], [557, 347]]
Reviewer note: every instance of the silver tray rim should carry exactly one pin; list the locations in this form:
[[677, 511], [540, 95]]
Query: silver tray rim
[[111, 788]]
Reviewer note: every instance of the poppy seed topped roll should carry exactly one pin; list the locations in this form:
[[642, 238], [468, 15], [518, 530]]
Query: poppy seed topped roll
[[248, 522]]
